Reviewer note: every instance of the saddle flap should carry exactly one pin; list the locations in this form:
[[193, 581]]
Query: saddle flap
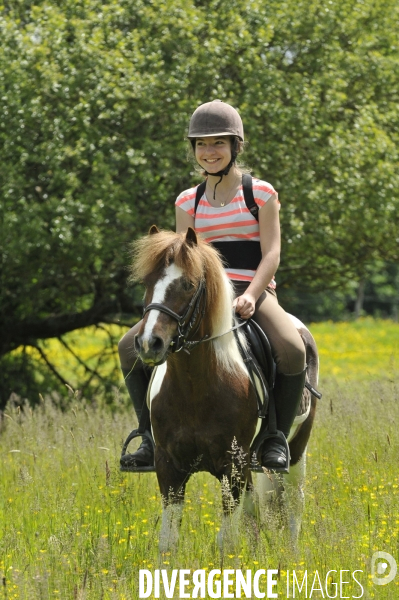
[[261, 349]]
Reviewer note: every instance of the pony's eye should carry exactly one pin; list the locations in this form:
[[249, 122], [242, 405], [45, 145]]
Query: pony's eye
[[186, 285]]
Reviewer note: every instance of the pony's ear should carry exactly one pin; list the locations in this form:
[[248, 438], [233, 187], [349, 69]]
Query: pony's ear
[[153, 229], [191, 237]]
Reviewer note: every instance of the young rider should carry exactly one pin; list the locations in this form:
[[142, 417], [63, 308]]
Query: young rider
[[217, 135]]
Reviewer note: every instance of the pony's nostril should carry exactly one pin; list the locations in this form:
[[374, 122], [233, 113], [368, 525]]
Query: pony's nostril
[[156, 344]]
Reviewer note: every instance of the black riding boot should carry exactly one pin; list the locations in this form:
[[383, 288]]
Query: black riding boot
[[288, 391], [137, 383]]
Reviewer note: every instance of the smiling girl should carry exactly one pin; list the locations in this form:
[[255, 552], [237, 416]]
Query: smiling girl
[[222, 218]]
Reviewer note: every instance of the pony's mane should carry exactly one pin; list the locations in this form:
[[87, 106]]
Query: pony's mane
[[154, 252]]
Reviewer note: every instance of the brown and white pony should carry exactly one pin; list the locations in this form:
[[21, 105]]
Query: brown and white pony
[[202, 403]]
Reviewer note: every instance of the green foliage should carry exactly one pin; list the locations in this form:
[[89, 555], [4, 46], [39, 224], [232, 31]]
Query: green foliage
[[330, 122], [36, 377], [377, 294], [95, 99]]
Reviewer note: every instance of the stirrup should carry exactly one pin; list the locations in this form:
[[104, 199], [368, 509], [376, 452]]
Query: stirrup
[[137, 469], [257, 467]]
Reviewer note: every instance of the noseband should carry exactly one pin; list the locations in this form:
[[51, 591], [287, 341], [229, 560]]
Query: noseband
[[186, 324]]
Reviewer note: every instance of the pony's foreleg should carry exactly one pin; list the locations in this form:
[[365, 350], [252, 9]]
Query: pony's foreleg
[[172, 485], [268, 492], [170, 527], [249, 502], [229, 534]]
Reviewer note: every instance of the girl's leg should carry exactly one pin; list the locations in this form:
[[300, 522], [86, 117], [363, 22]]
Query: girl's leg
[[136, 380], [287, 345]]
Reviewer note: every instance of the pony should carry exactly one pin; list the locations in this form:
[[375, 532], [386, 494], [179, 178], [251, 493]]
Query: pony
[[203, 405]]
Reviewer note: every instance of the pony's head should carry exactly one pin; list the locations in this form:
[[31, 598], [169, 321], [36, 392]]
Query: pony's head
[[174, 267]]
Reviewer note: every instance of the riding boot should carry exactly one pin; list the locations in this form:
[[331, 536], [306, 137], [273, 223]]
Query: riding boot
[[288, 391], [136, 380]]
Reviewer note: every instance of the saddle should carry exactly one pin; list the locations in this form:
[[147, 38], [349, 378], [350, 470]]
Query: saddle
[[261, 350]]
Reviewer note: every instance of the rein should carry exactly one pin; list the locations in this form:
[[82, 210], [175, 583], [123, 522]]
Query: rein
[[206, 338]]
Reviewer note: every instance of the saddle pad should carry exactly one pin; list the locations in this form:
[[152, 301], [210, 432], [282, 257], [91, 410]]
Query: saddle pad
[[304, 405]]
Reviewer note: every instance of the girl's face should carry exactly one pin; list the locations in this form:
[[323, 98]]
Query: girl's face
[[213, 154]]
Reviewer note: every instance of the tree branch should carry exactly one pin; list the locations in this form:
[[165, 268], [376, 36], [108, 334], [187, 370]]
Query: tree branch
[[26, 332], [51, 366], [80, 361]]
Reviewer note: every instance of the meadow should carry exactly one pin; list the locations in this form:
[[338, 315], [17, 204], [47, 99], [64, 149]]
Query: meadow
[[73, 527]]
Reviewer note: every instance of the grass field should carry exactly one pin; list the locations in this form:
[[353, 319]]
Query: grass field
[[73, 527]]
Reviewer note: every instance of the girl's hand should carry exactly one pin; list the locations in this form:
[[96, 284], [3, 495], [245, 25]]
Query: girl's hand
[[245, 305]]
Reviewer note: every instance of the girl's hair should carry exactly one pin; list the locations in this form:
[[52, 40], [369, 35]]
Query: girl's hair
[[238, 164]]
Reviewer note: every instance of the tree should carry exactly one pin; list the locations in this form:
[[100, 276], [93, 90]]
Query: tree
[[95, 100]]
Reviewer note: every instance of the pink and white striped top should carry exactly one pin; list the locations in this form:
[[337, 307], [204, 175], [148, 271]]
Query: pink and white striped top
[[228, 223]]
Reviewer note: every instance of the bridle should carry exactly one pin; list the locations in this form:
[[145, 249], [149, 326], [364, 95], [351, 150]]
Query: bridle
[[187, 323]]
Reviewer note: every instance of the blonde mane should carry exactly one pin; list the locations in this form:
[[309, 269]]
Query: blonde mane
[[154, 252]]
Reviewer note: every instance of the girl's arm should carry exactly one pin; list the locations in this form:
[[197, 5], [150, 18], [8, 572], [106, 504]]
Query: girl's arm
[[183, 220], [269, 229]]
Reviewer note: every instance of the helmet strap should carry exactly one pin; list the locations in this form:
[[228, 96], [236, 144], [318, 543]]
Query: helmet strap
[[214, 189]]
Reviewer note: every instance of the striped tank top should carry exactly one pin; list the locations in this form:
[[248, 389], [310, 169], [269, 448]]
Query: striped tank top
[[228, 223]]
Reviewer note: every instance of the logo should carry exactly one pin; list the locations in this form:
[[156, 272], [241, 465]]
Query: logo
[[380, 561]]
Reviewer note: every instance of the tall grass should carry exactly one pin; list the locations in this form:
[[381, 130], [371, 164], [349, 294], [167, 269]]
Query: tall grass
[[73, 527]]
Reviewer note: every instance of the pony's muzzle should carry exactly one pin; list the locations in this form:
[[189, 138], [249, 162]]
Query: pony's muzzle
[[150, 349]]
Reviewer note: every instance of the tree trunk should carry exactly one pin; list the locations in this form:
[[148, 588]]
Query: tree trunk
[[360, 298]]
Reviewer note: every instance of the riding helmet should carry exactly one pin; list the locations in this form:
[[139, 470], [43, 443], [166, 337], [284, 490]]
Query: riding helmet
[[215, 118]]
